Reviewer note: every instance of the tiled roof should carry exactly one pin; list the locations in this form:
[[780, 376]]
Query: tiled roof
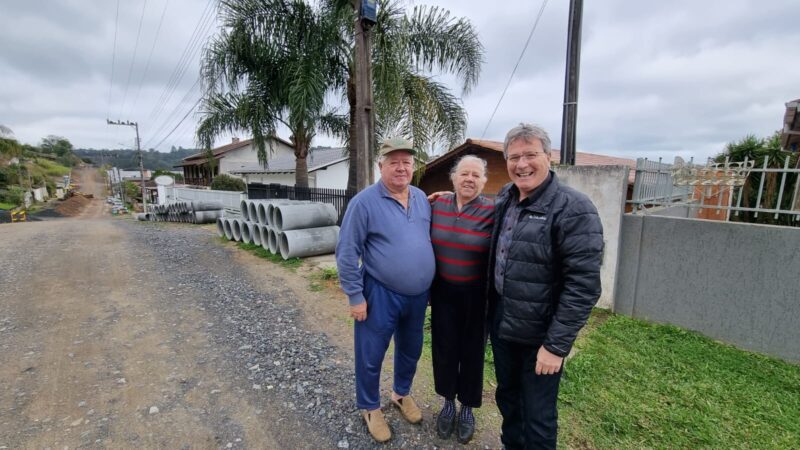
[[317, 159], [581, 158]]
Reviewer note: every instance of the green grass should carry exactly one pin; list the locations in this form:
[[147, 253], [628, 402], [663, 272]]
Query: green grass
[[51, 168], [291, 263], [7, 205], [636, 385]]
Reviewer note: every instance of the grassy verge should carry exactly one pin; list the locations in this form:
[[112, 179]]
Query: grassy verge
[[7, 205], [291, 263], [637, 385]]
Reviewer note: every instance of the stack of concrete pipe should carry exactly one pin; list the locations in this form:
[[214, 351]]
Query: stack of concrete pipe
[[291, 228], [185, 212]]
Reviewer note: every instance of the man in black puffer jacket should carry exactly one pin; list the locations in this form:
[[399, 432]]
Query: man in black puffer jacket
[[544, 279]]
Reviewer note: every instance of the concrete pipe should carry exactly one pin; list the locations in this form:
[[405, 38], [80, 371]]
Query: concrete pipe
[[262, 209], [250, 234], [308, 242], [228, 228], [312, 215], [236, 229], [272, 206], [220, 227], [244, 206], [263, 231], [205, 206], [141, 216], [251, 211], [272, 241], [206, 216], [245, 229]]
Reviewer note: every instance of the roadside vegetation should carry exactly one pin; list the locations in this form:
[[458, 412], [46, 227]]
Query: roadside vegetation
[[24, 167], [634, 384]]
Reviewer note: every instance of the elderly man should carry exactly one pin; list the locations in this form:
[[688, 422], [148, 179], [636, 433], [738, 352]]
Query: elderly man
[[544, 279], [386, 265]]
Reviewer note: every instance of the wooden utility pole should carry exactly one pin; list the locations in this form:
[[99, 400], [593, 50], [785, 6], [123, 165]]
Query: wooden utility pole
[[570, 112], [135, 125], [365, 116]]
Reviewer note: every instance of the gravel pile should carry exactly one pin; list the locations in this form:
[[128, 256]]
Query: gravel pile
[[266, 342]]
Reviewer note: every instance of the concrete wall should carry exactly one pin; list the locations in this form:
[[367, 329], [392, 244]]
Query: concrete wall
[[734, 282], [606, 186]]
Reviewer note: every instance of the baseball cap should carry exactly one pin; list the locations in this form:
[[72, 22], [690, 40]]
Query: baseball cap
[[395, 144]]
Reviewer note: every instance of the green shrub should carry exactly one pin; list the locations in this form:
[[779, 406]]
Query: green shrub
[[227, 183], [14, 195]]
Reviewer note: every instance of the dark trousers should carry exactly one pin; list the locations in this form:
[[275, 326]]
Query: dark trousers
[[389, 314], [527, 401], [458, 341]]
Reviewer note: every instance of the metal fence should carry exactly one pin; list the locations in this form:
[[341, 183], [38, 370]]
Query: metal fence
[[749, 186], [339, 198]]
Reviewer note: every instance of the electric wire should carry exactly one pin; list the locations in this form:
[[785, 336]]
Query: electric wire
[[113, 60], [150, 56], [528, 41], [133, 60], [180, 68]]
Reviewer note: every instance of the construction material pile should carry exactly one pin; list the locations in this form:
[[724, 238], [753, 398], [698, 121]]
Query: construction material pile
[[291, 228], [73, 205], [184, 212]]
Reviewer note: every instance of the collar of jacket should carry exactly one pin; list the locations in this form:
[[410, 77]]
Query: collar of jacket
[[541, 202]]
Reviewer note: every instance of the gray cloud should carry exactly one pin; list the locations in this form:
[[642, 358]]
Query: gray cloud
[[657, 78]]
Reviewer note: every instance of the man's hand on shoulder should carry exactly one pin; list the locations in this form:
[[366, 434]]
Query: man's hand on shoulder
[[547, 363], [432, 198], [359, 312]]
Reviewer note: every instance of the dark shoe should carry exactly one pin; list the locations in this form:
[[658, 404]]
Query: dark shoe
[[445, 426], [465, 432]]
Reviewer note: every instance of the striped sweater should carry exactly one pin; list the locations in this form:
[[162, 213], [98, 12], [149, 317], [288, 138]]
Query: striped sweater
[[461, 238]]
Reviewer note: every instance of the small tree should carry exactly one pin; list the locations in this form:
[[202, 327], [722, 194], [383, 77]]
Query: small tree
[[227, 183]]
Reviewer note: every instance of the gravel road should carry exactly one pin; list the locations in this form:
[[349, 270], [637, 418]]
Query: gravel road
[[123, 334]]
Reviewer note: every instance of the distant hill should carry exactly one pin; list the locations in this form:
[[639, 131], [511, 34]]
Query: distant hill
[[129, 159]]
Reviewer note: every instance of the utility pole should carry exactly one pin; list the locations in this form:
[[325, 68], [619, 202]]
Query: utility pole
[[570, 112], [141, 163], [365, 116]]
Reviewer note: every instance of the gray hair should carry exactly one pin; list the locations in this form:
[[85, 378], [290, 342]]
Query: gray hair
[[527, 132], [468, 158]]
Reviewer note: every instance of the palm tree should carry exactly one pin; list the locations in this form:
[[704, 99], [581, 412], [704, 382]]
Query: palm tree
[[408, 102], [272, 63]]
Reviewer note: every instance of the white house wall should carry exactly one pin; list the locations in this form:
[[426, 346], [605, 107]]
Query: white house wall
[[333, 176], [279, 178], [248, 155]]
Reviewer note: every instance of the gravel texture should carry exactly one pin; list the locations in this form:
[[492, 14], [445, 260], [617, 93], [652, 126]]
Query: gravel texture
[[261, 336]]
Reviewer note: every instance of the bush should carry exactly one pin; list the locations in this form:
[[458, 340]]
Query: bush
[[14, 195], [228, 183]]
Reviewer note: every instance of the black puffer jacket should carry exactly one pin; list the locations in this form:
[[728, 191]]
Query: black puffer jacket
[[552, 273]]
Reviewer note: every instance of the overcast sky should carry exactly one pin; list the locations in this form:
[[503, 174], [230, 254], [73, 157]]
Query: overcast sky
[[658, 79]]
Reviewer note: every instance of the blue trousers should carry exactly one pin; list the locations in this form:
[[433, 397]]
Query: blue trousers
[[388, 314]]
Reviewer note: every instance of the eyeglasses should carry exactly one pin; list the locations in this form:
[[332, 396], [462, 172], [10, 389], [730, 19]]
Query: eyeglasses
[[526, 156]]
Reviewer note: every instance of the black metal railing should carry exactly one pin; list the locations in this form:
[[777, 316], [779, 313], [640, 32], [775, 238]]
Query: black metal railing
[[339, 198]]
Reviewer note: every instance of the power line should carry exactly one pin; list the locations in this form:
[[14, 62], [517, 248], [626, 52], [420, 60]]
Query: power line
[[530, 35], [168, 120], [179, 123], [133, 61], [113, 59], [180, 68], [150, 56]]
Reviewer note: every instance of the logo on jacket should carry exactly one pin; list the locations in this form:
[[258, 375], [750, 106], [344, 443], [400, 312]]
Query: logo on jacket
[[532, 217]]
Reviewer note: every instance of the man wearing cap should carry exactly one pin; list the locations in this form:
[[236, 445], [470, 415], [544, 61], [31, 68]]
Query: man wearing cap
[[386, 266]]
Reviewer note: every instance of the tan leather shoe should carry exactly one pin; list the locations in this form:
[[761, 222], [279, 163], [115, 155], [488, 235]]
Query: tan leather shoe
[[409, 409], [377, 425]]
